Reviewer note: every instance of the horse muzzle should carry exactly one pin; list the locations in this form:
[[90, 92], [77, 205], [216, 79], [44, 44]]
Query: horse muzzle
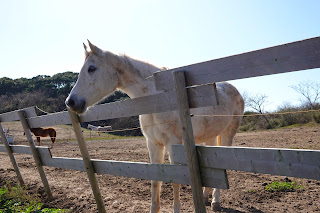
[[76, 104]]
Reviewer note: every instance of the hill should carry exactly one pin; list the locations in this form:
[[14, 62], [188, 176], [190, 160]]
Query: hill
[[49, 93]]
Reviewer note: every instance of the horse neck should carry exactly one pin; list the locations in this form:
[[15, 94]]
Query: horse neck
[[135, 77]]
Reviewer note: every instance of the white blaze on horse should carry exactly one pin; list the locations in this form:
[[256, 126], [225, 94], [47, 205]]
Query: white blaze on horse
[[104, 72]]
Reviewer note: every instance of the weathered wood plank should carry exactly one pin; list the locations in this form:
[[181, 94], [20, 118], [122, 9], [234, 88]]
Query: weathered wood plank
[[65, 163], [44, 152], [299, 55], [51, 119], [13, 116], [35, 154], [143, 105], [162, 172], [20, 149], [2, 148], [285, 162], [11, 156], [198, 97], [188, 140], [87, 161]]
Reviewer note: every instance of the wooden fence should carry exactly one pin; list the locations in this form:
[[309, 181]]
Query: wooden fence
[[198, 166]]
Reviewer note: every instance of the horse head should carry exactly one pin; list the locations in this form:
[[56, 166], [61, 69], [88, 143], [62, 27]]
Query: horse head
[[97, 79]]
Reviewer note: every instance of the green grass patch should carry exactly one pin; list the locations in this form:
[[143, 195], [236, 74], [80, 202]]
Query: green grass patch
[[277, 186], [252, 191], [16, 199]]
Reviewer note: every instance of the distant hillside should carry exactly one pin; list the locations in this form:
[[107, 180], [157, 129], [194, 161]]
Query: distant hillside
[[49, 94], [43, 91], [46, 92]]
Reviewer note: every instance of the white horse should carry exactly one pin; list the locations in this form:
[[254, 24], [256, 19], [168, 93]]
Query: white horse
[[104, 128], [92, 127], [104, 72], [99, 128]]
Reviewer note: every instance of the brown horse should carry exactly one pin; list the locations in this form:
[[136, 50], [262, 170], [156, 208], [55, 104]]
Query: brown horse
[[44, 132]]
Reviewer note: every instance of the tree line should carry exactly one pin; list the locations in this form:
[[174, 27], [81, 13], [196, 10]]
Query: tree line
[[309, 92], [46, 92]]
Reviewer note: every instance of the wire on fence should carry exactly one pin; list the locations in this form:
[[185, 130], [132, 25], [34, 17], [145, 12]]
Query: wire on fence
[[195, 115], [251, 115]]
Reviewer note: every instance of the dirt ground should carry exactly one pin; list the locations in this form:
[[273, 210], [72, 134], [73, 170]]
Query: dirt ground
[[71, 189]]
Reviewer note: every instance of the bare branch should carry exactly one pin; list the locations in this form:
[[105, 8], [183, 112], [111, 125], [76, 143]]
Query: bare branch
[[310, 91], [257, 102]]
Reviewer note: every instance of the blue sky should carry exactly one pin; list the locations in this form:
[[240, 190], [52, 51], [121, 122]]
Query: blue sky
[[45, 37]]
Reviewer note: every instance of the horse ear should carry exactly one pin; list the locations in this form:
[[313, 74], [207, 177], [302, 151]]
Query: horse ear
[[85, 47], [86, 52], [96, 50]]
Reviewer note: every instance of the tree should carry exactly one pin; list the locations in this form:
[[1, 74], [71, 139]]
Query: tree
[[310, 92], [257, 102]]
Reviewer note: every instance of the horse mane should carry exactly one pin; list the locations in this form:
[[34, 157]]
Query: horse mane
[[123, 61]]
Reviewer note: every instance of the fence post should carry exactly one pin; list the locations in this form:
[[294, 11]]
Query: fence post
[[188, 138], [87, 162], [12, 159], [35, 154]]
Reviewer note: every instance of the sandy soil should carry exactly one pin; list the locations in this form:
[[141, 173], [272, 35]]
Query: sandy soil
[[71, 189]]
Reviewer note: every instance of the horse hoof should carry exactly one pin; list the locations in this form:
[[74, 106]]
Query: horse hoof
[[207, 203], [216, 207]]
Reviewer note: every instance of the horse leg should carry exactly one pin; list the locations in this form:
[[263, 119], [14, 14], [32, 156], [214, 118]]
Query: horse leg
[[156, 156], [206, 190], [176, 188], [215, 205], [226, 140], [38, 139], [53, 138]]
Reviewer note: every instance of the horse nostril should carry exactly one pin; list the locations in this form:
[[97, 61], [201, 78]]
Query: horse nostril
[[76, 104], [71, 102]]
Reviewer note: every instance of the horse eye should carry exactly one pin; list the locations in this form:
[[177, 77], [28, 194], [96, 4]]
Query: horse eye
[[91, 69]]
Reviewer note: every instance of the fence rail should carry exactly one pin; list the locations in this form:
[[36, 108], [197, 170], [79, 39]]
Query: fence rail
[[171, 173], [285, 162], [295, 56]]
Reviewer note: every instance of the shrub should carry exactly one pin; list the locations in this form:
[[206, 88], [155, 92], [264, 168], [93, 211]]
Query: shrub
[[16, 199], [316, 117], [282, 186]]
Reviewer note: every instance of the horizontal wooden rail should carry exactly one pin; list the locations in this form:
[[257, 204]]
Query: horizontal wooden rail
[[286, 162], [296, 56], [13, 116], [200, 96], [170, 173]]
